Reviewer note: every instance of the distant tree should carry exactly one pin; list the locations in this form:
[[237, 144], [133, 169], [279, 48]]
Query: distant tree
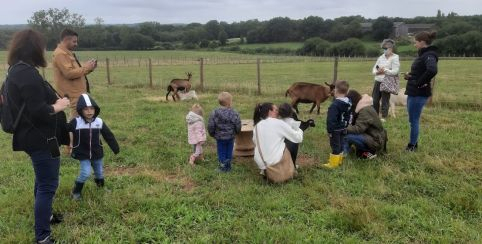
[[279, 30], [99, 21], [51, 22], [382, 28], [212, 28], [137, 41], [222, 37], [452, 28], [150, 29], [311, 26]]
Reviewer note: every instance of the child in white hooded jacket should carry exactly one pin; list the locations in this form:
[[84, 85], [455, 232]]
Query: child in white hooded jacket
[[196, 132]]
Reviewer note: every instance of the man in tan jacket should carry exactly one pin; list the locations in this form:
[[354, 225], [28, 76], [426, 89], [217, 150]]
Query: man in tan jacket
[[69, 76]]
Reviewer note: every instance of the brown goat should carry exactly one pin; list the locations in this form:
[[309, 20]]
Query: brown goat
[[303, 92], [179, 85]]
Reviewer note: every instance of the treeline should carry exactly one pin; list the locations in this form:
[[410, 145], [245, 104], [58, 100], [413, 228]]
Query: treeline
[[457, 35]]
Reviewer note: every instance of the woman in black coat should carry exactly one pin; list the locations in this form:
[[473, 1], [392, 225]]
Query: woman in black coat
[[36, 133], [423, 69]]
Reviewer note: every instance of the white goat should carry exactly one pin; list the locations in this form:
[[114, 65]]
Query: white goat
[[397, 100], [188, 95]]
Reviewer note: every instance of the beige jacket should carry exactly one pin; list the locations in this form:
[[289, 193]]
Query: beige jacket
[[69, 77]]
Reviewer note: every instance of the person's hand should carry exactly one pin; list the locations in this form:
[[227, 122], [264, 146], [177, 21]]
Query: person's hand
[[61, 104], [380, 71], [407, 76], [91, 64]]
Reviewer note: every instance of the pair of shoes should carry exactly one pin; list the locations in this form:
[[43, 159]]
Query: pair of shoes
[[368, 155], [47, 240], [411, 147], [56, 218], [77, 191]]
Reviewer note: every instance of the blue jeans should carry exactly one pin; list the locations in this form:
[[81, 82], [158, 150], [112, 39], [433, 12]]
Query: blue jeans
[[84, 174], [225, 153], [354, 139], [46, 171], [336, 142], [414, 108]]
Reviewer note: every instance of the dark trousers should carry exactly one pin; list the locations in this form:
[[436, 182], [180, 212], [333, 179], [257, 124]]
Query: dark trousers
[[336, 142], [225, 153], [46, 171], [293, 148], [379, 95]]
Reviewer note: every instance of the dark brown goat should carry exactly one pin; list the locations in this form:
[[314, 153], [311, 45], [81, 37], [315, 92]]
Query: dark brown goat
[[179, 85], [303, 92]]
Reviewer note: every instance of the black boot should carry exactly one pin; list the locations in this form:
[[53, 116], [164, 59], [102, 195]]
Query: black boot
[[99, 182], [77, 191], [411, 147]]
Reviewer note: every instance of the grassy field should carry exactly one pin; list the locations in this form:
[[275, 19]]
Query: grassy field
[[434, 195]]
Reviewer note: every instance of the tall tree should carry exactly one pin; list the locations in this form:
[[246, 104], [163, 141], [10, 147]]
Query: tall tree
[[382, 28], [50, 22]]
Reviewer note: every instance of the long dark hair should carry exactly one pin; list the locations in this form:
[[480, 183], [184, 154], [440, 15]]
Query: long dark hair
[[261, 111], [354, 97], [27, 46]]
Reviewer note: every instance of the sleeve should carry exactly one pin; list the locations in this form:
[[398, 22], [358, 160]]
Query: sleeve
[[331, 118], [64, 63], [430, 71], [362, 124], [109, 138], [237, 122], [212, 124], [35, 101], [374, 69], [71, 125], [395, 66], [294, 135]]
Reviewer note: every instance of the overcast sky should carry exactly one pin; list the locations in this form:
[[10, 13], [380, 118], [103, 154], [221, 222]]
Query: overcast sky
[[201, 11]]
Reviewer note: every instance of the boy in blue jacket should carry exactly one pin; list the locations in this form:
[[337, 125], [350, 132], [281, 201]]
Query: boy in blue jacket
[[224, 123], [337, 120], [86, 146]]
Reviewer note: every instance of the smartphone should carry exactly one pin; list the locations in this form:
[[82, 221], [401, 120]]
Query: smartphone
[[53, 145], [377, 67]]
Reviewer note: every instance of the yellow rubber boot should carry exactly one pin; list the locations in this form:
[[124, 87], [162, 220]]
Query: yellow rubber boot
[[334, 161]]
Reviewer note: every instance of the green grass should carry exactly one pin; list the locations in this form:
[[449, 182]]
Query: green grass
[[288, 45], [433, 195]]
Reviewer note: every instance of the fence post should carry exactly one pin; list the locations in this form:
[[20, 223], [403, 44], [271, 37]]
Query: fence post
[[201, 73], [150, 73], [335, 70], [258, 70], [108, 70]]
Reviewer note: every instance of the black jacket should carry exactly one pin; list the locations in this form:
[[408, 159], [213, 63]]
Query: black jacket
[[423, 69], [87, 143], [38, 121], [338, 115]]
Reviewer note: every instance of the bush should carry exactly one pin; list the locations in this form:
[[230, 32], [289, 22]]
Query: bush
[[349, 47], [204, 43], [314, 46], [190, 46], [214, 44], [468, 44], [372, 52]]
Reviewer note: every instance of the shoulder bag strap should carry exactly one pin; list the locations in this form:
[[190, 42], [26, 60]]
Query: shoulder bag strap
[[259, 146]]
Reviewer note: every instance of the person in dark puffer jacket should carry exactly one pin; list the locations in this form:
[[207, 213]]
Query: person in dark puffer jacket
[[418, 90], [224, 123], [86, 145]]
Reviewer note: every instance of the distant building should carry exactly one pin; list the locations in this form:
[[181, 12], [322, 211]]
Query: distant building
[[401, 29]]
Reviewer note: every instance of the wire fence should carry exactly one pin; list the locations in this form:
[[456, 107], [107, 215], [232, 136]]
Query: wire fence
[[458, 84]]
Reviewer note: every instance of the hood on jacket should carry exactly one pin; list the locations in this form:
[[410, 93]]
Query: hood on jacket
[[429, 50], [85, 101], [365, 101], [192, 117]]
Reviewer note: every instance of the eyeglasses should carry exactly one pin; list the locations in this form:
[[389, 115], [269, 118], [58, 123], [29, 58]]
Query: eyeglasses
[[384, 48]]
